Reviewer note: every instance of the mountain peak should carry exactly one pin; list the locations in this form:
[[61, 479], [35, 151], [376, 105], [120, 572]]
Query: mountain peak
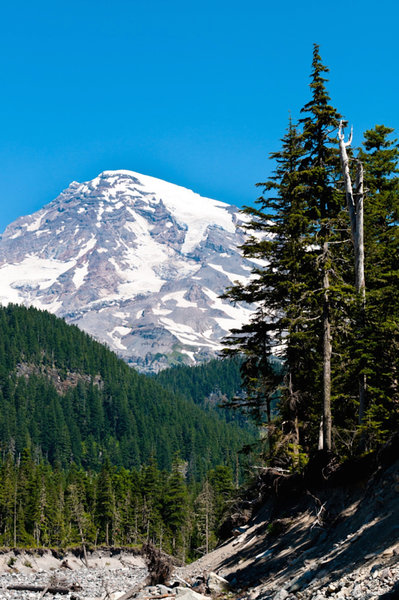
[[137, 262]]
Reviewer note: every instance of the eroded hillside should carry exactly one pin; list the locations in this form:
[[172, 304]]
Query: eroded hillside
[[335, 534]]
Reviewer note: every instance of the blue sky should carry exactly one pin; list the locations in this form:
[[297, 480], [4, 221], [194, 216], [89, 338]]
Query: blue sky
[[194, 92]]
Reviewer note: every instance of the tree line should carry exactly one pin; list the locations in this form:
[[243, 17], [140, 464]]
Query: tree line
[[45, 506]]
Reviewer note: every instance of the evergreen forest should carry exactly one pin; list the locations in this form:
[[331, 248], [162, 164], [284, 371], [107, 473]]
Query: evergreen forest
[[91, 450], [70, 400], [46, 506]]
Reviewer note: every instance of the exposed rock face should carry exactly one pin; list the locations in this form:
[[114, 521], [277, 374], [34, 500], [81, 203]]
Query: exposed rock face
[[136, 262], [61, 381]]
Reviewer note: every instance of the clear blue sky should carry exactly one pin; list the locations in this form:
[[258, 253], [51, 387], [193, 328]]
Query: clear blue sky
[[194, 92]]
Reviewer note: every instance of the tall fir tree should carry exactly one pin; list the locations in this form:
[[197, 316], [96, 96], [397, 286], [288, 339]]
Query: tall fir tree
[[175, 502], [319, 170]]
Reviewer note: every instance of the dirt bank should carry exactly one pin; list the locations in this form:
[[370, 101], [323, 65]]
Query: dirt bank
[[323, 531]]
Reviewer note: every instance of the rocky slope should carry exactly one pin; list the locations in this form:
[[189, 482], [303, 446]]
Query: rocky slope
[[335, 537], [137, 262]]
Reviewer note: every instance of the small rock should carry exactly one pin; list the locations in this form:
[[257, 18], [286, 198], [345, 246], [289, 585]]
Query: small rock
[[332, 588], [163, 589], [386, 573], [357, 591]]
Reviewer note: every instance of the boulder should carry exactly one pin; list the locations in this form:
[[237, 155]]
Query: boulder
[[188, 594], [217, 584]]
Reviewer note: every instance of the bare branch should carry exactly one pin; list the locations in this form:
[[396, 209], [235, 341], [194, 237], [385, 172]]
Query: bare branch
[[341, 135]]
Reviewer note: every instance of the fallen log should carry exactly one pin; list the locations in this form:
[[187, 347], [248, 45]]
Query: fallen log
[[182, 580], [40, 588], [128, 594]]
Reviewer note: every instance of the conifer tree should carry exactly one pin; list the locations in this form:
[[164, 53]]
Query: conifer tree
[[105, 505], [176, 503], [380, 338], [221, 481], [8, 500], [204, 535], [278, 236], [319, 170], [151, 489]]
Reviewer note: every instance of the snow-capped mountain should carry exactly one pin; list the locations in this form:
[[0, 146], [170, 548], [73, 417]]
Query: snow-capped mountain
[[135, 261]]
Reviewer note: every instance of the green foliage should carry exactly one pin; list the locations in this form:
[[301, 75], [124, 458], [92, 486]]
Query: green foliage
[[298, 214], [276, 528], [209, 385], [69, 399], [298, 458], [378, 346]]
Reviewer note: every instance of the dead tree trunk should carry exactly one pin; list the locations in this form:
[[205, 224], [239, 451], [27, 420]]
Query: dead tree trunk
[[355, 201], [327, 351], [360, 278], [359, 245]]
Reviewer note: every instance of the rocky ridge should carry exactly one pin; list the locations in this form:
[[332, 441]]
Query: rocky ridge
[[134, 261]]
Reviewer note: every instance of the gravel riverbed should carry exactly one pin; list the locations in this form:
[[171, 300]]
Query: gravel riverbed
[[106, 575]]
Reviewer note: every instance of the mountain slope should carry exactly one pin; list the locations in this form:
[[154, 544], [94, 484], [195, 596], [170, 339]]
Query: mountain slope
[[68, 398], [136, 262], [208, 385]]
